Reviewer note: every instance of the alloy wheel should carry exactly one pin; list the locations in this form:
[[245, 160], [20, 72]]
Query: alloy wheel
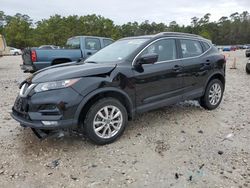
[[215, 93], [107, 122]]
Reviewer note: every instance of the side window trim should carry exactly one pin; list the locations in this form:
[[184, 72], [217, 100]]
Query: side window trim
[[178, 52], [158, 62], [203, 46]]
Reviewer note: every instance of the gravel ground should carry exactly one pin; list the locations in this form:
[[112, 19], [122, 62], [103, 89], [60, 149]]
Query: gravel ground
[[177, 146]]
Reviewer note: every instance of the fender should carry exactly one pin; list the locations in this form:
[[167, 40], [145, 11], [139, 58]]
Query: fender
[[102, 90], [214, 73]]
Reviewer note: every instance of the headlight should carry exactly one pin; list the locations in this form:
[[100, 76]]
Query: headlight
[[55, 85]]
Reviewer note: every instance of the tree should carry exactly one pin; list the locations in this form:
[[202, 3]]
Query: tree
[[17, 30], [20, 31]]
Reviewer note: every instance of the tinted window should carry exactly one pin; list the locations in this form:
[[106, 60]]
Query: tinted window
[[191, 48], [47, 47], [92, 44], [73, 43], [107, 42], [206, 46], [165, 49]]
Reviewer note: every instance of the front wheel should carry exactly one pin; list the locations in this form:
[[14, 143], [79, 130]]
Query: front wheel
[[213, 95], [105, 121]]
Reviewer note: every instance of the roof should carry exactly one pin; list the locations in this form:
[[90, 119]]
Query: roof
[[177, 34], [168, 34]]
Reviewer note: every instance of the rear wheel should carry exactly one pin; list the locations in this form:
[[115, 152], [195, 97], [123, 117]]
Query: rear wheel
[[16, 53], [213, 95], [105, 121]]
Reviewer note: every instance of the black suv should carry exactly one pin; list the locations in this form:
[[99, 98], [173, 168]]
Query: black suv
[[131, 76]]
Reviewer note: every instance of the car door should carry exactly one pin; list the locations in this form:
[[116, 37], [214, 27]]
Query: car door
[[92, 45], [196, 67], [160, 83]]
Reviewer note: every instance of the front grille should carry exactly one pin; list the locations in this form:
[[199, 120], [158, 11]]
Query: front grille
[[21, 107]]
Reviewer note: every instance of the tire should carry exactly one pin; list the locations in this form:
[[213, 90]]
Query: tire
[[108, 125], [247, 70], [207, 101], [16, 53]]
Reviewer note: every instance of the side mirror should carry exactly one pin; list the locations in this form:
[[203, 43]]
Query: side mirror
[[148, 59]]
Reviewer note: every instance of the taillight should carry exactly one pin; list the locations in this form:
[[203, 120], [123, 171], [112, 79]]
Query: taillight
[[33, 56]]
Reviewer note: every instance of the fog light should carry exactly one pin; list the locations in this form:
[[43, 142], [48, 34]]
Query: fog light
[[50, 123]]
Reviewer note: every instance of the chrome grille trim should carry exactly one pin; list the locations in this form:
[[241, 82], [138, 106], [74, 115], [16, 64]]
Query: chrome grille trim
[[24, 91]]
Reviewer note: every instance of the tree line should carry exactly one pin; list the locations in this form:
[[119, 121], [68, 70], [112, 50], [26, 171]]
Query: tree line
[[21, 31]]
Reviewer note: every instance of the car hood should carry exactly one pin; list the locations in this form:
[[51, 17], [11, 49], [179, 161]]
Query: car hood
[[71, 70]]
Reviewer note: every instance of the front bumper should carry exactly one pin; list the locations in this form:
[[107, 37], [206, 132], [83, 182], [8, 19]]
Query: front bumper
[[57, 107], [61, 124]]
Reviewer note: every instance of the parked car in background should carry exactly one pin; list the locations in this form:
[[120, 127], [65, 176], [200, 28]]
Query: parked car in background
[[233, 48], [246, 46], [49, 47], [130, 76], [77, 48], [240, 47], [247, 52], [15, 51], [226, 49]]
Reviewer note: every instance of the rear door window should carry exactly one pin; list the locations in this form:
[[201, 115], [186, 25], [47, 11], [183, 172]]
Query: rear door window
[[92, 44], [190, 48]]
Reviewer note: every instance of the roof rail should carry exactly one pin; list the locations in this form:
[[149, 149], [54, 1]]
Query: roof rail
[[178, 34]]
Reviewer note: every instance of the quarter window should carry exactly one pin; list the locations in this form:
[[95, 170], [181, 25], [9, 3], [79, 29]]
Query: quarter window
[[165, 48], [93, 44], [206, 46], [191, 48]]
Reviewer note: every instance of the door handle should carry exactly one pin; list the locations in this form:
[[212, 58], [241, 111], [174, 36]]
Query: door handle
[[177, 68], [206, 65], [207, 62]]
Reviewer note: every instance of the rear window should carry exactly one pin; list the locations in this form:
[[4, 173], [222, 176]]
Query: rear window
[[107, 42], [73, 43], [190, 48], [93, 44]]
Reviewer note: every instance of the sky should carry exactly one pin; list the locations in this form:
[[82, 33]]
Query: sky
[[123, 11]]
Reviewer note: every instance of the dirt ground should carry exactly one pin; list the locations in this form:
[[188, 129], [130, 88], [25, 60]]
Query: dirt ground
[[177, 146]]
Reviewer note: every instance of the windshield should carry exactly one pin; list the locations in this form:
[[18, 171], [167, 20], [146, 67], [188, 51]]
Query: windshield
[[116, 51]]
